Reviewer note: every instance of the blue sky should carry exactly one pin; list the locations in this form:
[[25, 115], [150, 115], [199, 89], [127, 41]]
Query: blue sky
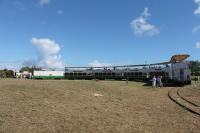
[[97, 32]]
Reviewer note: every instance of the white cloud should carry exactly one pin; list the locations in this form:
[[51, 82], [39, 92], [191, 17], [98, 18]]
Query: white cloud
[[141, 27], [197, 11], [59, 12], [49, 55], [96, 63], [13, 65], [29, 63], [44, 2], [17, 65], [198, 45], [196, 29]]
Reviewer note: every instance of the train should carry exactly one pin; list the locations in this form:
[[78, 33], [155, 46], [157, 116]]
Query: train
[[177, 70], [48, 74]]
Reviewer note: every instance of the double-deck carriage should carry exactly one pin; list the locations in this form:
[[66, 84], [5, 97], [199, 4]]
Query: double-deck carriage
[[176, 70]]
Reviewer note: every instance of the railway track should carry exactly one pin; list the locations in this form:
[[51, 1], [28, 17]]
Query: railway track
[[185, 98], [176, 96]]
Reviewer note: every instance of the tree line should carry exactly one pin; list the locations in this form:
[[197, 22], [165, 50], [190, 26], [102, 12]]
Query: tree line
[[5, 73], [195, 68]]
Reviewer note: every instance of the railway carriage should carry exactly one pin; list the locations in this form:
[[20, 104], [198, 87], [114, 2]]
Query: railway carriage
[[48, 74], [176, 70]]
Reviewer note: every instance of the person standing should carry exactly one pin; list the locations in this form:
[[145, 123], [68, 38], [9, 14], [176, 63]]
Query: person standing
[[195, 79], [161, 84], [154, 82], [159, 81], [127, 80]]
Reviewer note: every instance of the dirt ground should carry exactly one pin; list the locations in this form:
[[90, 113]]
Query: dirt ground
[[62, 106]]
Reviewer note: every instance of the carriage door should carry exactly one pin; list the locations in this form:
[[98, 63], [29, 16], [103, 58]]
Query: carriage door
[[173, 76], [181, 74]]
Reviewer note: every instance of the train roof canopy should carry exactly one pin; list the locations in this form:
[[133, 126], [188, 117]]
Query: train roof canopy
[[179, 58], [174, 59]]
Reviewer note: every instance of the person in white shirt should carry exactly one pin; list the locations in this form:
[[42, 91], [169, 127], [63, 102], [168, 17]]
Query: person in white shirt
[[154, 82]]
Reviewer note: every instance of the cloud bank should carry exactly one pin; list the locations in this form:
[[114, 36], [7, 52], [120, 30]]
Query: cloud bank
[[141, 27], [48, 53], [96, 63], [198, 45], [13, 65], [59, 12], [197, 11], [44, 2], [196, 29]]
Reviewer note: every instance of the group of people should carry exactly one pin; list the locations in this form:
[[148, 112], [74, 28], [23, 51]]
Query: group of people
[[157, 81]]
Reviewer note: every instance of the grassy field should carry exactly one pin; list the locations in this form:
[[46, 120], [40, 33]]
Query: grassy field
[[31, 106]]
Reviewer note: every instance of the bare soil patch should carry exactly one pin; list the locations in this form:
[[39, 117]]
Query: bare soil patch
[[31, 106]]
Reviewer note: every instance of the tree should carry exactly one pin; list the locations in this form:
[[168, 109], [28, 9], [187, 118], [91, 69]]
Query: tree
[[195, 68], [29, 69], [9, 73], [6, 73]]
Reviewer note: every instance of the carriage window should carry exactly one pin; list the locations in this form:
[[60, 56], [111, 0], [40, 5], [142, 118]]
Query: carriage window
[[75, 74], [167, 74], [163, 73], [151, 73], [125, 74], [71, 74], [79, 74], [66, 74], [132, 74]]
